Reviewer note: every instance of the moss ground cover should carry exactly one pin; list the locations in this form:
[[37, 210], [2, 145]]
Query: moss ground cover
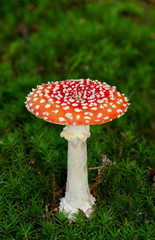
[[41, 41]]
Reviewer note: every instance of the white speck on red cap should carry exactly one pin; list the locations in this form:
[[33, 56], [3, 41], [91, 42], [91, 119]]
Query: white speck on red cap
[[46, 113], [66, 108], [69, 115], [55, 111], [99, 115], [47, 105], [77, 102], [37, 106]]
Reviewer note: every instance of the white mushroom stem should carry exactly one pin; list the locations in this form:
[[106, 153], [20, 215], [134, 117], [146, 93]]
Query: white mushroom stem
[[77, 194]]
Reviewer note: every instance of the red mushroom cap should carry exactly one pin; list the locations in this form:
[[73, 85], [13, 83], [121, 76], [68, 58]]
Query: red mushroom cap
[[77, 102]]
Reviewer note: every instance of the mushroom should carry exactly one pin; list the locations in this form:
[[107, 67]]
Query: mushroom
[[77, 104]]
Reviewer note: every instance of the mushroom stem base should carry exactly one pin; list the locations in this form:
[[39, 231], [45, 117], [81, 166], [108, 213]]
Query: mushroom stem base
[[77, 194], [73, 208]]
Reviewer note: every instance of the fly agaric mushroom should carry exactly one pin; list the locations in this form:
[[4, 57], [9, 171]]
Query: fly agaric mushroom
[[77, 104]]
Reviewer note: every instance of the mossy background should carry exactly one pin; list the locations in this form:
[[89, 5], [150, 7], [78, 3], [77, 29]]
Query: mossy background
[[108, 40]]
